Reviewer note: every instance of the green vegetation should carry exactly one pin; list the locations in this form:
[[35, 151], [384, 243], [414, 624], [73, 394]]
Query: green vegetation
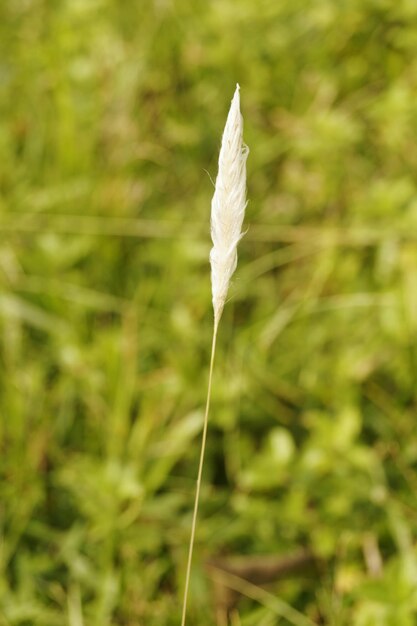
[[110, 118]]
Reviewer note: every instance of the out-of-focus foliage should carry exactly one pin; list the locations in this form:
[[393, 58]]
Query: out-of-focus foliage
[[110, 118]]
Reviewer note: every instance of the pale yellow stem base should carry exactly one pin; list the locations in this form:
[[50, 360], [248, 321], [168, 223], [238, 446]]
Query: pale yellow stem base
[[200, 473]]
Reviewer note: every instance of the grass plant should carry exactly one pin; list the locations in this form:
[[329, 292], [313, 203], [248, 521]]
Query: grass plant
[[227, 214]]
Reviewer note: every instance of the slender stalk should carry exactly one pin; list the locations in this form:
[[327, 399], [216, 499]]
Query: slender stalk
[[200, 473]]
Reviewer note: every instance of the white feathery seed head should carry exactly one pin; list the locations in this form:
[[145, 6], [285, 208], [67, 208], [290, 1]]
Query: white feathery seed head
[[228, 206]]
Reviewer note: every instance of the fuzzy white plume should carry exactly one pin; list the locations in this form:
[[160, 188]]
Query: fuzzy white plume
[[228, 206]]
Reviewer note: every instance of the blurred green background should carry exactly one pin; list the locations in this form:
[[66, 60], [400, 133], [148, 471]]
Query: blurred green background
[[111, 115]]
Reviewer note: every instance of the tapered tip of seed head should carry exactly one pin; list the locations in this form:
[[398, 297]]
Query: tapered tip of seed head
[[236, 95], [234, 116]]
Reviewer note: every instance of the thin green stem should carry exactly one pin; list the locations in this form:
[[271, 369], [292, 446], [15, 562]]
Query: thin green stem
[[264, 597], [200, 473]]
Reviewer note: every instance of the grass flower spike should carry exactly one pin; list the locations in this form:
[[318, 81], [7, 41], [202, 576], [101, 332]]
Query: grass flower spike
[[228, 206], [227, 213]]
